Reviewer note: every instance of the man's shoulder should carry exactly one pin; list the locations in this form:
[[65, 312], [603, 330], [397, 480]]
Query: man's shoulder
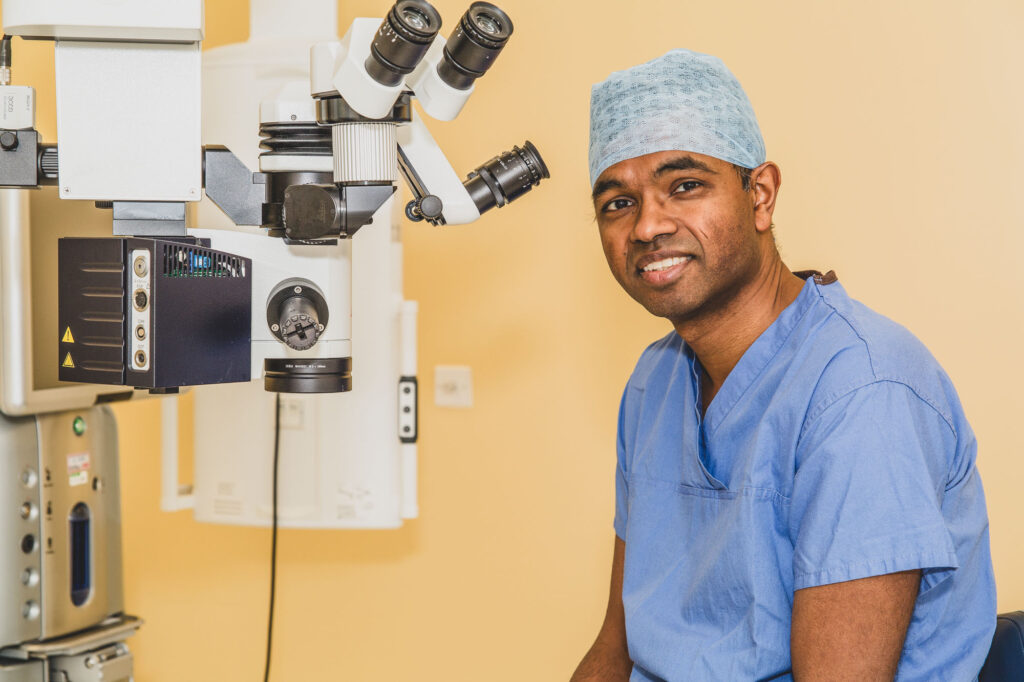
[[888, 349], [857, 346]]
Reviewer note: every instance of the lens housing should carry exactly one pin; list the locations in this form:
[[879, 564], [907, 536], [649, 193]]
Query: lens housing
[[474, 45], [401, 41], [506, 177], [307, 375]]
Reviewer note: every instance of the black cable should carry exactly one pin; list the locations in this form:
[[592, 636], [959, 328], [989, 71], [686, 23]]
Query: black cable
[[273, 540], [5, 59], [5, 51]]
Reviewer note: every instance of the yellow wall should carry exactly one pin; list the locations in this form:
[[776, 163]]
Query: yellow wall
[[898, 126]]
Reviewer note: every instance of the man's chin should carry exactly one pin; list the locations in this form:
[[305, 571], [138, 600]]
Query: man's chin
[[671, 310]]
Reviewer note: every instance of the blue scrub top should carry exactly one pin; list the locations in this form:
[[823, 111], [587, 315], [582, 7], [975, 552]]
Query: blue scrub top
[[836, 449]]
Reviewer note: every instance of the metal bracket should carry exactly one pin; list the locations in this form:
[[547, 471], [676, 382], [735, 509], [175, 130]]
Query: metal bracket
[[408, 409], [19, 151], [149, 218], [235, 189]]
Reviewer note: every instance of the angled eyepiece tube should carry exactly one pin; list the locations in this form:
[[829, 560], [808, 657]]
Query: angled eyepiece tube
[[506, 177]]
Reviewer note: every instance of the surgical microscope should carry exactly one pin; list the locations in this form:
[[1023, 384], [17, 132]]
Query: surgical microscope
[[161, 304]]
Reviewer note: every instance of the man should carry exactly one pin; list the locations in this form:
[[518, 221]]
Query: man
[[797, 495]]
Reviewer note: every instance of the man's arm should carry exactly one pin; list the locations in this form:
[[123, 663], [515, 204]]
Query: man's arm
[[852, 630], [608, 658]]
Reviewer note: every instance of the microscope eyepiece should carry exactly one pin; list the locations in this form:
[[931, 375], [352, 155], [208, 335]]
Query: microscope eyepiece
[[474, 44], [506, 177], [401, 41]]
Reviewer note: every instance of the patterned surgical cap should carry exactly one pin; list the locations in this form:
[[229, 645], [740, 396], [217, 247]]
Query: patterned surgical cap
[[683, 101]]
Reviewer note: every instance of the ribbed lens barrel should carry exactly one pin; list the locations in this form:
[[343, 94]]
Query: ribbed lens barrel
[[506, 177], [365, 152], [402, 40], [474, 45]]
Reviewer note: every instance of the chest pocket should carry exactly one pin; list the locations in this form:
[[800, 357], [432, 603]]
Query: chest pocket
[[707, 581]]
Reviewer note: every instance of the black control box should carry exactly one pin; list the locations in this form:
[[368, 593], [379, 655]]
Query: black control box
[[153, 313]]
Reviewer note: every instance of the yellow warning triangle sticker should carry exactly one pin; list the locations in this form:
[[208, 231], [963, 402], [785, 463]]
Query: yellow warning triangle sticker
[[68, 362], [67, 338]]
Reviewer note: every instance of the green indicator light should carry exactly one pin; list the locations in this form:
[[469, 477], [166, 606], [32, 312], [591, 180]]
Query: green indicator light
[[78, 426]]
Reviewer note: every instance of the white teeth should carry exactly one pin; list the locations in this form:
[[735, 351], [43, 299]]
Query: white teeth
[[665, 264]]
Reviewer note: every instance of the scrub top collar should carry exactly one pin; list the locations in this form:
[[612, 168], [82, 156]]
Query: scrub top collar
[[757, 356]]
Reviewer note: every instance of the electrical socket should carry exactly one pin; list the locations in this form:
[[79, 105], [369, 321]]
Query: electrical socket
[[453, 386]]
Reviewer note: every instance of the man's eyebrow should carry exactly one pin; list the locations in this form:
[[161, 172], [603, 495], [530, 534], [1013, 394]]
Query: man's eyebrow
[[605, 185], [683, 163]]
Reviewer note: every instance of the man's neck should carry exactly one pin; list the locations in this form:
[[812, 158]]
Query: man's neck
[[720, 339]]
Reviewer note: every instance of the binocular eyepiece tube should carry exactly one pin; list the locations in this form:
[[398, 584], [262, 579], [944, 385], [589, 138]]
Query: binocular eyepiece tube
[[401, 41], [409, 28], [474, 45]]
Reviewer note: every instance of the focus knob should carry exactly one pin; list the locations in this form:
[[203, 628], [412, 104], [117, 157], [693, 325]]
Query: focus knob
[[429, 207], [297, 314], [300, 327]]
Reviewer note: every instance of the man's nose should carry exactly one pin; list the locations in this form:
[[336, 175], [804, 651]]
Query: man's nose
[[652, 222]]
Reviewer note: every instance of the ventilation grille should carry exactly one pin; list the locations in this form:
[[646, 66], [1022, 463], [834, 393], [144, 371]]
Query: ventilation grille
[[226, 507], [194, 261]]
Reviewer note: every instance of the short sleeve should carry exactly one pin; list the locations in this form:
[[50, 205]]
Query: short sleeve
[[621, 471], [871, 470]]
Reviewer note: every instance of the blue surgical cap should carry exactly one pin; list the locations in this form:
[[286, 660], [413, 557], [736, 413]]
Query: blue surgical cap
[[683, 101]]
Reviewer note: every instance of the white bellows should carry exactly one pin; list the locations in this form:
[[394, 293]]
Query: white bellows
[[365, 152]]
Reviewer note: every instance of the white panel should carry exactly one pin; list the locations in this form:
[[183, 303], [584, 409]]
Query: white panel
[[154, 20], [129, 121], [341, 456]]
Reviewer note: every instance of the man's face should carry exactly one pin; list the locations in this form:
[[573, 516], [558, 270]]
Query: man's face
[[678, 231]]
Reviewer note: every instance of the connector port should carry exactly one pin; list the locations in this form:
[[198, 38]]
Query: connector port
[[141, 300]]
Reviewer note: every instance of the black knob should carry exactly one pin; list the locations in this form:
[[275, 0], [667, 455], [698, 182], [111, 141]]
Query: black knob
[[300, 327], [8, 140], [429, 207], [297, 314]]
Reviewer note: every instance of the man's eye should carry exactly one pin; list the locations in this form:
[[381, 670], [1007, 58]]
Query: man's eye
[[686, 186], [616, 205]]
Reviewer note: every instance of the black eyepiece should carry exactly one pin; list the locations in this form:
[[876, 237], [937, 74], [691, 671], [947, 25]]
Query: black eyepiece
[[474, 45], [401, 41], [507, 177]]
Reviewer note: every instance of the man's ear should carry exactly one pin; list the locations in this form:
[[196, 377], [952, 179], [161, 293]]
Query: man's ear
[[765, 181]]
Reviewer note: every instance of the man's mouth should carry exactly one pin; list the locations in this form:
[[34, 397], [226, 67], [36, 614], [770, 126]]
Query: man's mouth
[[665, 263], [662, 269]]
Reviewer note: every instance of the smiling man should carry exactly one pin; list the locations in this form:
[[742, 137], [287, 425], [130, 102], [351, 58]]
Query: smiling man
[[796, 491]]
